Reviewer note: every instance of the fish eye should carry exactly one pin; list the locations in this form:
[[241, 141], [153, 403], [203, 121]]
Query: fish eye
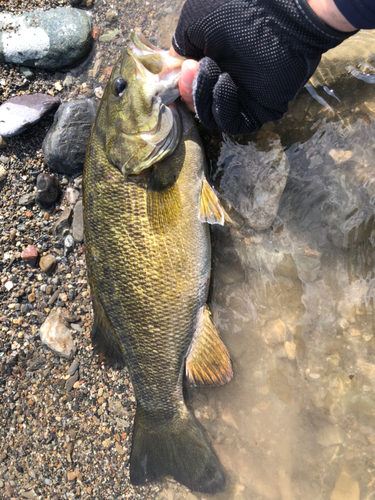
[[119, 86]]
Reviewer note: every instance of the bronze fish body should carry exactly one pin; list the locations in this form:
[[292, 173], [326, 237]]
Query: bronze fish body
[[148, 258]]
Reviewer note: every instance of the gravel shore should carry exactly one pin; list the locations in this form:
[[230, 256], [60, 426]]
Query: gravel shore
[[65, 423]]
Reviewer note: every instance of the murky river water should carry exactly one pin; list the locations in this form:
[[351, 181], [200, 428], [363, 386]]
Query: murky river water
[[293, 291], [294, 298]]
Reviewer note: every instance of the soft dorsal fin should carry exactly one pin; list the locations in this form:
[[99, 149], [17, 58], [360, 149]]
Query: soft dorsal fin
[[208, 361]]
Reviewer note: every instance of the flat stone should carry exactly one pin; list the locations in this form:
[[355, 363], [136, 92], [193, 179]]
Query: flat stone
[[64, 146], [71, 381], [63, 222], [48, 190], [3, 143], [77, 226], [48, 39], [30, 255], [73, 368], [21, 112], [27, 199], [56, 335]]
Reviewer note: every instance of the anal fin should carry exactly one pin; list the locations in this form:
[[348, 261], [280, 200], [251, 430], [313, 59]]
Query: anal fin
[[104, 338], [208, 362]]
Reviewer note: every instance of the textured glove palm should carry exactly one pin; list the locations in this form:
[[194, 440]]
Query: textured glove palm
[[254, 57]]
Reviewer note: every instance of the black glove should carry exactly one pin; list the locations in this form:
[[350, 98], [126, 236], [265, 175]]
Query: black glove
[[254, 57]]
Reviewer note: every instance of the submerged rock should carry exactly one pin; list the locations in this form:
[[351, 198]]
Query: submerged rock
[[48, 39], [56, 335], [21, 112], [64, 146], [254, 178]]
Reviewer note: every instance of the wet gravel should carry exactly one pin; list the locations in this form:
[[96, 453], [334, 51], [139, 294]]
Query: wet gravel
[[65, 425]]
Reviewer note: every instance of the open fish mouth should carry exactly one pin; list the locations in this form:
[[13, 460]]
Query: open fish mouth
[[156, 67]]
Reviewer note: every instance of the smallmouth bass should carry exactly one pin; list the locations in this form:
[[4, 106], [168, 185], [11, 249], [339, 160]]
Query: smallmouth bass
[[146, 207]]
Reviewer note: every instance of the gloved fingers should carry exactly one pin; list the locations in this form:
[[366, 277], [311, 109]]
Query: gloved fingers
[[203, 86]]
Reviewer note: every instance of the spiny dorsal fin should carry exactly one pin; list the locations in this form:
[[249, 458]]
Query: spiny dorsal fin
[[211, 210], [208, 361]]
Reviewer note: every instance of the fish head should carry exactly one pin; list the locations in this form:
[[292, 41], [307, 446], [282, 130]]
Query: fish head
[[141, 126]]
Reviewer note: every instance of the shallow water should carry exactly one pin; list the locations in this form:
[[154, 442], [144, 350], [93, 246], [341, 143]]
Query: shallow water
[[294, 302]]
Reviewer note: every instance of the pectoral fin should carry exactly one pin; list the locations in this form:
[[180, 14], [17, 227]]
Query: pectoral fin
[[211, 210], [208, 362]]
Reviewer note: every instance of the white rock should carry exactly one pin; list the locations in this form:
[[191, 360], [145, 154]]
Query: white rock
[[56, 335]]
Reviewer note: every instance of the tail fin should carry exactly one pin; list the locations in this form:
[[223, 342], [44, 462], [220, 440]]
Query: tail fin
[[177, 448]]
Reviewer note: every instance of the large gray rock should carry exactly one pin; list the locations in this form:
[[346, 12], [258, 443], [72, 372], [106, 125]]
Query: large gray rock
[[64, 146], [21, 112], [48, 39]]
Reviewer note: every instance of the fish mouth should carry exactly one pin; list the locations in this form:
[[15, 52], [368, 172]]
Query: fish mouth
[[155, 67]]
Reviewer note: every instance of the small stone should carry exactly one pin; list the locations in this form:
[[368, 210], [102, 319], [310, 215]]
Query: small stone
[[9, 285], [345, 488], [77, 226], [330, 435], [274, 332], [68, 244], [71, 476], [29, 494], [48, 190], [107, 443], [290, 349], [3, 173], [63, 222], [47, 264], [21, 112], [120, 450], [30, 255], [27, 72], [3, 143], [73, 368], [68, 81], [47, 481], [72, 195], [109, 36], [71, 381], [52, 300], [228, 418], [27, 199], [111, 16], [56, 335], [31, 298]]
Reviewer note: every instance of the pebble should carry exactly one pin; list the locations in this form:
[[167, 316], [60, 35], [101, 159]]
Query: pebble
[[30, 255], [72, 195], [56, 335], [48, 190], [21, 112], [68, 244], [71, 381], [3, 173], [27, 199], [3, 144], [274, 332], [73, 368], [47, 263], [77, 226], [345, 488], [63, 222], [64, 146], [48, 39], [290, 349]]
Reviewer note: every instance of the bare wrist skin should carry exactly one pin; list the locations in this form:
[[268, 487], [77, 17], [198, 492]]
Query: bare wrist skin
[[327, 11]]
